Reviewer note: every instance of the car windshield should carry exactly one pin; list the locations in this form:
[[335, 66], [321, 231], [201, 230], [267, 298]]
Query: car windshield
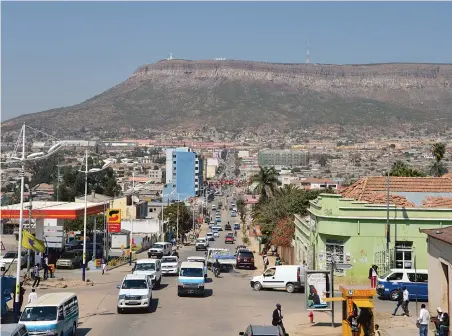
[[192, 272], [10, 255], [169, 260], [385, 275], [246, 254], [39, 314], [145, 267], [134, 284], [157, 246], [67, 255], [200, 241], [230, 235]]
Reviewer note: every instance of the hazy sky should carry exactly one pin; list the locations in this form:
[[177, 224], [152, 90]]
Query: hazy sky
[[60, 53]]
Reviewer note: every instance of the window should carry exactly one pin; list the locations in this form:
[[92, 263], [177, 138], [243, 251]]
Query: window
[[403, 254], [418, 277], [334, 249], [395, 277], [270, 272]]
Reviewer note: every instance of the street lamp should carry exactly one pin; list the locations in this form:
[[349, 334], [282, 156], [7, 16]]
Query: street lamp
[[86, 172], [163, 196], [23, 159]]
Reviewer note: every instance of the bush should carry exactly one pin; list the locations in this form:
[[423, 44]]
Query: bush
[[246, 240]]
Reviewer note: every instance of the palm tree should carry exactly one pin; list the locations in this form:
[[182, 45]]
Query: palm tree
[[287, 190], [400, 168], [438, 151], [266, 181]]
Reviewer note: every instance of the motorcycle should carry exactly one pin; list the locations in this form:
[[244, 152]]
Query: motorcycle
[[216, 272]]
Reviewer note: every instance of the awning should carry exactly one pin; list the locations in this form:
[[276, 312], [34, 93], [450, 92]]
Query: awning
[[363, 303]]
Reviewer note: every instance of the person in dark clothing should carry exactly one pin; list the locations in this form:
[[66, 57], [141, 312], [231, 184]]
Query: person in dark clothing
[[444, 325], [354, 323], [277, 318], [365, 319], [399, 301]]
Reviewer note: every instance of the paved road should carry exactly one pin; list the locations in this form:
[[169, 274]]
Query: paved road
[[228, 307]]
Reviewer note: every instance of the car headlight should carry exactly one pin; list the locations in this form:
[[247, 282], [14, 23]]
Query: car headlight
[[121, 297], [52, 332], [144, 297]]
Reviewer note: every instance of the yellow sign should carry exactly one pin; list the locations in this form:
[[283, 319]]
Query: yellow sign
[[114, 216]]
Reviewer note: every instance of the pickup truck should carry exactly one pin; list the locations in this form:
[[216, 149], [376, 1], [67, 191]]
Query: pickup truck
[[223, 255], [229, 238], [201, 244]]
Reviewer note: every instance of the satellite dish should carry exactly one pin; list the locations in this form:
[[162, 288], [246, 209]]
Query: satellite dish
[[35, 155]]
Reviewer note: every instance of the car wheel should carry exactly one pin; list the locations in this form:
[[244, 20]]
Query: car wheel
[[257, 286], [74, 329], [119, 310], [393, 295], [290, 288]]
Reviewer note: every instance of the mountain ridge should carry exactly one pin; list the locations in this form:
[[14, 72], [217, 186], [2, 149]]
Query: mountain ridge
[[171, 94]]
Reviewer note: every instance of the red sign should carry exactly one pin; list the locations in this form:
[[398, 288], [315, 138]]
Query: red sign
[[114, 227]]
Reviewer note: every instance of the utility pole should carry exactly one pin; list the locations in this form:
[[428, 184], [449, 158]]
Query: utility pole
[[388, 228]]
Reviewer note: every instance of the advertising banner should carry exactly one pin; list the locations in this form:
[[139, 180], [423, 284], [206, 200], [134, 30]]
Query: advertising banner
[[317, 289], [114, 220]]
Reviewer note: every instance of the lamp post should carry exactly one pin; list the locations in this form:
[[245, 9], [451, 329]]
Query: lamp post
[[85, 215], [163, 196], [388, 228], [22, 160]]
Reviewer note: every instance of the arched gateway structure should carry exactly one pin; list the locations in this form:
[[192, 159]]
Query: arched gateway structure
[[51, 215]]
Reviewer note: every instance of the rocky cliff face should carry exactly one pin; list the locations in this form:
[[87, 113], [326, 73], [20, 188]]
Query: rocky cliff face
[[246, 94]]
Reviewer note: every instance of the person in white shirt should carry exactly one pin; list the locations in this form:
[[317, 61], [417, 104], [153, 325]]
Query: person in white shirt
[[406, 301], [33, 296], [423, 321]]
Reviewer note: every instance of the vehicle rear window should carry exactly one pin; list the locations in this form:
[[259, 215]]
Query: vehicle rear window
[[246, 254]]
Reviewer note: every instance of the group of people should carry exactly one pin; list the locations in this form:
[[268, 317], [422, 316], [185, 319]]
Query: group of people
[[363, 320]]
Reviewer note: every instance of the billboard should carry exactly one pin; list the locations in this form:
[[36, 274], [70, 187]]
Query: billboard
[[317, 289], [114, 220]]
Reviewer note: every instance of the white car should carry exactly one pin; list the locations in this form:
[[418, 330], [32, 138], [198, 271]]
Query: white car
[[10, 257], [202, 243], [160, 249], [216, 234], [170, 265], [150, 267], [209, 236], [135, 292]]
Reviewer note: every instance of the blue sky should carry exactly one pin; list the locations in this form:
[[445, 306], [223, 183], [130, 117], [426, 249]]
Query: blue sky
[[60, 53]]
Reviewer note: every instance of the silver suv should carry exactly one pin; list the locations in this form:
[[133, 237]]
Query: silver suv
[[202, 244], [160, 249]]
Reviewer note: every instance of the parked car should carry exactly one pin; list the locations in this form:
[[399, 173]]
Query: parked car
[[10, 257], [279, 277], [70, 259], [259, 330], [245, 258], [415, 281], [229, 238]]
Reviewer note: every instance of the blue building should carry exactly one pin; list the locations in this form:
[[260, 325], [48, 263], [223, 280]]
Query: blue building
[[184, 174]]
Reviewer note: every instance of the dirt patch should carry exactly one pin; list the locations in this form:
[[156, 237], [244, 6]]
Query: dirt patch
[[393, 324], [63, 283]]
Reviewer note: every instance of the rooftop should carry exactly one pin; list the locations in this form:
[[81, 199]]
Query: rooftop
[[443, 234], [404, 191]]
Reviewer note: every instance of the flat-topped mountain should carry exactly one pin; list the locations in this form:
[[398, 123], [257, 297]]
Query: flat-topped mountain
[[242, 94]]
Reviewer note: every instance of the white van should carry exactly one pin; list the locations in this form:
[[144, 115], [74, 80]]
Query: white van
[[52, 314], [160, 249], [191, 278], [287, 277], [135, 292], [150, 267]]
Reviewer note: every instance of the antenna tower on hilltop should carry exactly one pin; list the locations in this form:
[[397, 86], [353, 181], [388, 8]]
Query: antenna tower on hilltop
[[308, 55]]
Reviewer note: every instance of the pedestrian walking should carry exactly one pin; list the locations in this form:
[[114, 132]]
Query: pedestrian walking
[[406, 301], [277, 318], [265, 261], [423, 321], [103, 265], [36, 275], [399, 299], [373, 276], [33, 296]]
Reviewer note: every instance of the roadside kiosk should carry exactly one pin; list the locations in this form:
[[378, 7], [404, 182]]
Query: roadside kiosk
[[354, 298]]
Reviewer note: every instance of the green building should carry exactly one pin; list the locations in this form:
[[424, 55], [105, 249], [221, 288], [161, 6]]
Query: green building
[[355, 233], [282, 157]]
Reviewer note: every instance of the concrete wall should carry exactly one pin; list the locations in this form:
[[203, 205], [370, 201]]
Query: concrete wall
[[439, 283]]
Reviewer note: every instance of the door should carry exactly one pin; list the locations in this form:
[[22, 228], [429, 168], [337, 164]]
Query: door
[[271, 280]]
